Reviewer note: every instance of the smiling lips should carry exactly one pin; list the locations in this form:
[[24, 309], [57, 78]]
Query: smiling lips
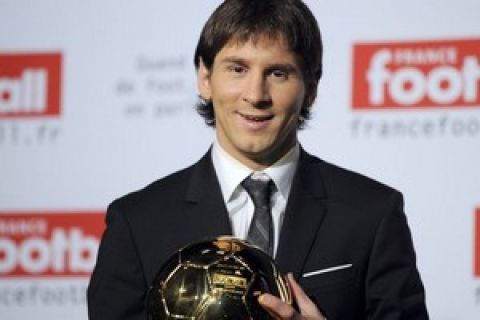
[[255, 121], [258, 118]]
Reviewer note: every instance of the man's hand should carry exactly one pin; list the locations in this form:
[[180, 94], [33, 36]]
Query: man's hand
[[280, 310]]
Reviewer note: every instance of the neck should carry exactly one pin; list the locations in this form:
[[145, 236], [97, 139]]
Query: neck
[[262, 160]]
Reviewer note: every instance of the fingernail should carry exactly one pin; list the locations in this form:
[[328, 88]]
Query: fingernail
[[262, 299]]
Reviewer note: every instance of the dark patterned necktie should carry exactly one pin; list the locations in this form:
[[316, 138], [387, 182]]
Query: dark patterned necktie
[[260, 232]]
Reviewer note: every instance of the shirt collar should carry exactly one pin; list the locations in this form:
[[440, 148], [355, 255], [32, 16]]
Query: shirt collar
[[231, 172], [283, 170]]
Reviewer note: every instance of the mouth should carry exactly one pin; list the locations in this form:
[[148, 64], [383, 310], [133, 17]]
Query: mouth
[[256, 118], [255, 122]]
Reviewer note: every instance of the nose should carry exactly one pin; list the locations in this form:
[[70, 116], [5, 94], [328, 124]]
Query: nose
[[256, 91]]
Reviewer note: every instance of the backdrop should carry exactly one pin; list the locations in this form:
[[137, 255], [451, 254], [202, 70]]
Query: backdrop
[[96, 100]]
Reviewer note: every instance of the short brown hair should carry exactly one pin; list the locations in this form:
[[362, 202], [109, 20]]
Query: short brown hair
[[247, 19]]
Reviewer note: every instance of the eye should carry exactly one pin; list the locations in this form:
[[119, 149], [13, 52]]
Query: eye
[[279, 74], [237, 69]]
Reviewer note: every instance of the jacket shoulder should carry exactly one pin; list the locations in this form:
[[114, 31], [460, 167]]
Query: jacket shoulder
[[347, 186], [170, 188]]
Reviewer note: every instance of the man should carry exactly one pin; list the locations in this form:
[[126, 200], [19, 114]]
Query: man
[[343, 236]]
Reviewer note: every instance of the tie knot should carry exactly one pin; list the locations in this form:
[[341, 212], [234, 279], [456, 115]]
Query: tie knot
[[259, 190]]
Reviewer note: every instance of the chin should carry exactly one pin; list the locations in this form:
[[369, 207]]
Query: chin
[[261, 153], [256, 148]]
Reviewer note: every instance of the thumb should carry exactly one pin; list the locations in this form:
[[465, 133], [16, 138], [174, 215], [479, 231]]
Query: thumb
[[307, 307]]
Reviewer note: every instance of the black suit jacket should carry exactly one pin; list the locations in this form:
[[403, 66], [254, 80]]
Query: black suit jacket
[[333, 217]]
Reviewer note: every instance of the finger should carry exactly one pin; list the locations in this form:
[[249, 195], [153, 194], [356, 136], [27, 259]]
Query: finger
[[276, 307], [305, 304]]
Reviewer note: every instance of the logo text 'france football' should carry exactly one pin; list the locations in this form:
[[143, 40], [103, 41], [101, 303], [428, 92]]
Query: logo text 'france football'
[[416, 75], [49, 244], [30, 85]]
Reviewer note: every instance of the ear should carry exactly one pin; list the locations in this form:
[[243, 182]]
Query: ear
[[311, 94], [203, 81]]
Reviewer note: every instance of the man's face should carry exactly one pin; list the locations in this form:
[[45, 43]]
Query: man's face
[[257, 89]]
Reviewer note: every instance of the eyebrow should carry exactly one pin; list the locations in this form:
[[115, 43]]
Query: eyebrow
[[290, 67]]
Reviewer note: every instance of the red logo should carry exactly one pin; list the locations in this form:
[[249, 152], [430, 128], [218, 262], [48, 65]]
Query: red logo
[[477, 244], [416, 75], [49, 244], [30, 85]]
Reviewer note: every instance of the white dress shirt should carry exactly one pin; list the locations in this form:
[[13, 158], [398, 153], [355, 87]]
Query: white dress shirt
[[231, 173]]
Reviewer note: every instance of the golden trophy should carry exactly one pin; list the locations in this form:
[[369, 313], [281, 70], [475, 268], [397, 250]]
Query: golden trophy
[[213, 280]]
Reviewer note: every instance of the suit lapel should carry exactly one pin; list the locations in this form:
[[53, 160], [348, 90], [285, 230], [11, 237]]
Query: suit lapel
[[206, 211], [208, 216], [303, 215]]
